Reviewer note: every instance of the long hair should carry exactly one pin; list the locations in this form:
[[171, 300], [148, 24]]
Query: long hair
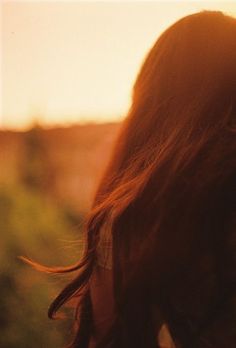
[[171, 185]]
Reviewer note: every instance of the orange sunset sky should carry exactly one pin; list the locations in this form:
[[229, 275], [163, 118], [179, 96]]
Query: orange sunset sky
[[76, 61]]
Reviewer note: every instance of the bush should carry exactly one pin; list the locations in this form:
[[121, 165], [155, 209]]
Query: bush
[[33, 226]]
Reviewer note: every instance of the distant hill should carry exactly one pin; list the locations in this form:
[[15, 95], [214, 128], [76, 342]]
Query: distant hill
[[66, 162]]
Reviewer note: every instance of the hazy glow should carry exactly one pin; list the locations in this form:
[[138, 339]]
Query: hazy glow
[[76, 61]]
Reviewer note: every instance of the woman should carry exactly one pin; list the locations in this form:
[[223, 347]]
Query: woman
[[160, 258]]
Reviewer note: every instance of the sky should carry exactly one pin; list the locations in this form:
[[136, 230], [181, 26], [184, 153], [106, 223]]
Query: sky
[[64, 62]]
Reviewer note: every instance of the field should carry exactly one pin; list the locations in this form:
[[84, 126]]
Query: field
[[47, 181]]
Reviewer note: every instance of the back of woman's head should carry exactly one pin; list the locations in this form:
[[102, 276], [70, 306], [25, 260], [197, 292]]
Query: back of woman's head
[[186, 84], [169, 184], [176, 148]]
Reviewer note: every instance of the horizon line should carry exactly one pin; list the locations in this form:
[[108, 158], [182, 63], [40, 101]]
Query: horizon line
[[53, 125]]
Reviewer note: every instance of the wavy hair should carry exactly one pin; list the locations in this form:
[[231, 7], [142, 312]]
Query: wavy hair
[[170, 184]]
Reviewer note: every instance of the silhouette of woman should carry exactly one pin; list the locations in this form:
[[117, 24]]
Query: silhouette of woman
[[159, 267]]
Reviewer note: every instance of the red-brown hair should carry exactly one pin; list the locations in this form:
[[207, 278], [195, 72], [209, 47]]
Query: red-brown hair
[[170, 184]]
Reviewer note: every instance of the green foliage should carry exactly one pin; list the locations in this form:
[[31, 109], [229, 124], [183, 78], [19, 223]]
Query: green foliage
[[33, 226]]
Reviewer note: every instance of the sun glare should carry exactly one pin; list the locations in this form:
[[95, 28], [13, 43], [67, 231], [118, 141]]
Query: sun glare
[[67, 62]]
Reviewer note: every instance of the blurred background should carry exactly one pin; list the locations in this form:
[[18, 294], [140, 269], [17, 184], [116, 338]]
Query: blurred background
[[67, 70]]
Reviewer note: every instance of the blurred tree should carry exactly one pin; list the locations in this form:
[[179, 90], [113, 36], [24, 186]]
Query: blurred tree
[[34, 173]]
